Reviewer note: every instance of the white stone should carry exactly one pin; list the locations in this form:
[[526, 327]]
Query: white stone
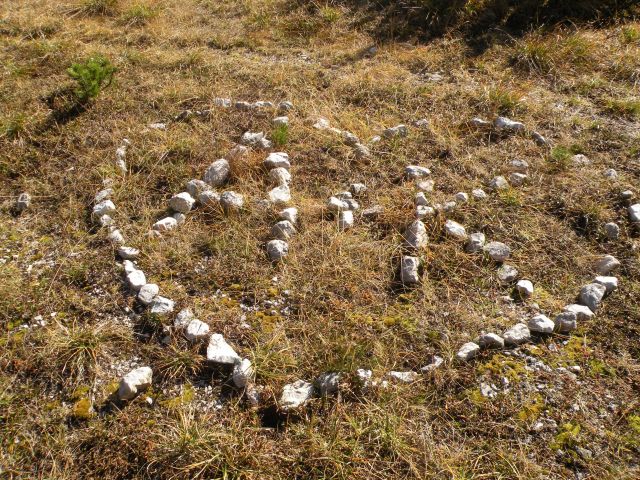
[[128, 253], [136, 279], [290, 214], [491, 340], [103, 195], [498, 183], [404, 377], [517, 335], [364, 377], [106, 207], [634, 213], [425, 185], [280, 176], [520, 166], [397, 131], [517, 179], [539, 139], [541, 324], [409, 270], [461, 197], [612, 230], [607, 264], [121, 155], [580, 160], [280, 195], [128, 266], [135, 382], [281, 121], [497, 251], [180, 218], [222, 102], [422, 123], [610, 283], [219, 351], [468, 351], [165, 224], [209, 198], [181, 202], [435, 363], [283, 230], [217, 173], [334, 204], [237, 152], [183, 318], [416, 171], [105, 221], [253, 394], [321, 124], [328, 383], [582, 312], [449, 206], [344, 195], [566, 322], [157, 126], [115, 236], [373, 212], [244, 106], [505, 124], [627, 195], [421, 199], [357, 188], [611, 174], [524, 288], [362, 151], [345, 219], [162, 305], [295, 395], [263, 104], [479, 123], [423, 211], [277, 250], [147, 293], [350, 139], [196, 330], [455, 230], [479, 194], [591, 295], [256, 139], [231, 201], [476, 242], [242, 373], [277, 160], [507, 274], [195, 187], [285, 106], [416, 235]]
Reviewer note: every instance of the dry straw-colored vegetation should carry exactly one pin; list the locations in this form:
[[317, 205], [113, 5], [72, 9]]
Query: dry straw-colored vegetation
[[576, 82]]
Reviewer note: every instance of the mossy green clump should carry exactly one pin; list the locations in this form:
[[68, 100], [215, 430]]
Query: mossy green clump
[[567, 438], [82, 409], [187, 396], [503, 366], [532, 411]]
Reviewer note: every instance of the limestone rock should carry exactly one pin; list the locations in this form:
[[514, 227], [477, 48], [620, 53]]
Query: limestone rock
[[217, 173], [421, 199], [373, 212], [290, 214], [416, 235], [479, 194], [468, 351], [335, 204], [416, 171], [524, 288], [357, 189], [104, 194], [508, 125], [497, 251], [242, 373], [580, 160], [345, 219], [455, 230], [165, 224], [479, 123], [280, 176], [147, 293], [277, 250], [115, 236], [461, 197], [106, 207], [209, 198], [136, 279], [219, 351], [134, 382], [183, 318], [520, 166], [607, 264], [196, 330], [541, 324], [162, 306], [517, 335], [280, 195], [517, 179], [328, 383], [231, 201], [491, 340], [634, 213], [283, 230], [422, 211], [195, 187], [610, 283], [285, 106], [295, 395], [582, 312], [404, 377], [612, 230], [611, 174], [476, 242], [425, 185], [539, 139], [591, 295], [128, 253], [180, 218], [507, 274], [182, 202], [398, 131], [409, 274], [566, 322], [277, 160], [362, 151], [281, 121], [237, 152], [498, 183]]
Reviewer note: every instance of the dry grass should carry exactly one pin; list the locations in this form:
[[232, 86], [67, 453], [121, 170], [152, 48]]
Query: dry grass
[[575, 86]]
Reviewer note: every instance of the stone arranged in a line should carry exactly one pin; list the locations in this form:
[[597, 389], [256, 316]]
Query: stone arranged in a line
[[588, 301], [343, 205]]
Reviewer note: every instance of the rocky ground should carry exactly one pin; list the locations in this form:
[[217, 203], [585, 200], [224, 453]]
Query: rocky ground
[[280, 243]]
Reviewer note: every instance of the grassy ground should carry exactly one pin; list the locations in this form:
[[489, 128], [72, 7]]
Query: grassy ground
[[578, 86]]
